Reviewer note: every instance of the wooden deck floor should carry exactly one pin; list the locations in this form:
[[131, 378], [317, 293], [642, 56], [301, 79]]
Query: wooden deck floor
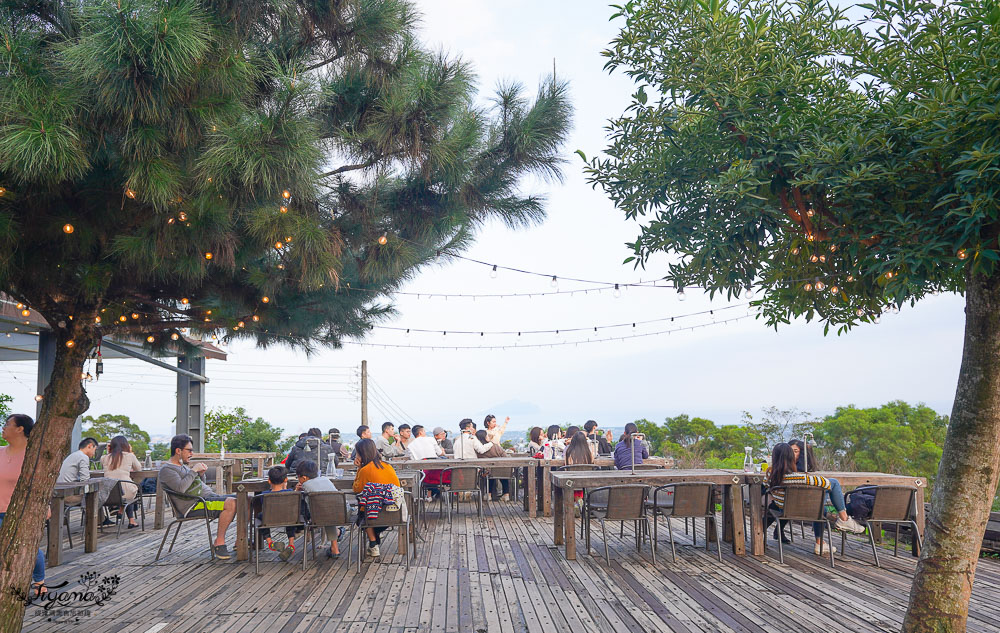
[[500, 574]]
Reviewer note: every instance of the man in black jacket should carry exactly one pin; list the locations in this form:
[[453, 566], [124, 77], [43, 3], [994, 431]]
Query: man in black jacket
[[311, 447]]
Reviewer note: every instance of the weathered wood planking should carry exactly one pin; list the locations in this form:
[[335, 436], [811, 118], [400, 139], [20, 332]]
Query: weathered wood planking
[[502, 574]]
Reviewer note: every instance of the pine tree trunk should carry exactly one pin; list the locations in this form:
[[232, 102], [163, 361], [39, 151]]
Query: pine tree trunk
[[967, 476], [24, 524]]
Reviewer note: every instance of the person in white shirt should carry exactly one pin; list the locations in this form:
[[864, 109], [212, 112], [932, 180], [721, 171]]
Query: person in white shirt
[[423, 447], [494, 431], [467, 446]]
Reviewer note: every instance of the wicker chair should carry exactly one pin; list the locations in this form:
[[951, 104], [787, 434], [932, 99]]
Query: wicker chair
[[278, 510], [329, 509], [687, 500], [802, 503], [617, 503], [181, 517], [463, 479], [895, 505], [388, 518], [117, 499]]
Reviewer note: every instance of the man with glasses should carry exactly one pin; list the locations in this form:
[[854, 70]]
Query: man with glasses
[[176, 476]]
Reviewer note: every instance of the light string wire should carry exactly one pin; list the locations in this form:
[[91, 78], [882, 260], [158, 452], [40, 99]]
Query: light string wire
[[384, 393]]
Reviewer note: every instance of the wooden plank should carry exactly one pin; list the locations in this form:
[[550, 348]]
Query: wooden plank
[[735, 514], [755, 492], [90, 533], [53, 554]]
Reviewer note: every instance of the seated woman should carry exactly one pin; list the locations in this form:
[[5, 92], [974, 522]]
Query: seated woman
[[535, 441], [118, 463], [629, 450], [783, 472], [578, 452], [554, 446], [372, 470], [494, 452]]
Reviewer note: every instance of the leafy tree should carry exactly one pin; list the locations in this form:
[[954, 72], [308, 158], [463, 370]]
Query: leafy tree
[[779, 425], [842, 164], [160, 451], [268, 170], [243, 434], [688, 431], [107, 425], [5, 411]]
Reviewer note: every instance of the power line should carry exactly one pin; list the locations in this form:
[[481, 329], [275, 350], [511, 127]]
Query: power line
[[380, 390]]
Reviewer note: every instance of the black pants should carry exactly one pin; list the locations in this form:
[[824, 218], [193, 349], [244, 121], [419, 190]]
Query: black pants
[[504, 485], [265, 533], [378, 535]]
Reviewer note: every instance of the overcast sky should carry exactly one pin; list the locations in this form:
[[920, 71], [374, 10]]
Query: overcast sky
[[716, 371]]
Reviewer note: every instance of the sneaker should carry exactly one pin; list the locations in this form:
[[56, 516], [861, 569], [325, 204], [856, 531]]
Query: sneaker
[[270, 545], [822, 549], [850, 525], [287, 552], [221, 552], [505, 498], [373, 551], [107, 522]]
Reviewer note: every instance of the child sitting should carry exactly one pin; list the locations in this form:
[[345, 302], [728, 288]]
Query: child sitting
[[310, 481], [277, 476]]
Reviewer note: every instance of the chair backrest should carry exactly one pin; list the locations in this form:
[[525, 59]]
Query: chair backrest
[[576, 467], [386, 517], [501, 473], [345, 484], [693, 499], [806, 503], [177, 500], [626, 501], [893, 503], [115, 496], [464, 478], [328, 508], [280, 508]]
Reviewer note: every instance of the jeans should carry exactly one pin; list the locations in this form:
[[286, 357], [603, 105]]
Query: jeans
[[38, 573], [836, 497]]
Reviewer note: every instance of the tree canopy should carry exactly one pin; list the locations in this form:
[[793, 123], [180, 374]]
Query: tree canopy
[[108, 425]]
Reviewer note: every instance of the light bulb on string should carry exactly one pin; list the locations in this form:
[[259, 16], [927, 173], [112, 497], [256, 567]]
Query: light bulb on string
[[97, 319], [286, 194], [493, 273], [208, 255], [68, 228], [795, 251], [833, 248], [810, 212], [265, 299], [123, 318], [962, 253], [170, 220], [25, 312], [241, 324], [555, 282], [20, 306], [859, 312], [174, 336], [278, 245], [820, 286], [71, 343], [39, 398], [822, 258], [135, 315], [383, 239], [808, 287], [256, 318], [150, 338], [185, 300], [814, 258], [680, 293], [130, 193], [283, 209], [850, 278], [617, 294], [876, 319], [834, 290], [182, 216]]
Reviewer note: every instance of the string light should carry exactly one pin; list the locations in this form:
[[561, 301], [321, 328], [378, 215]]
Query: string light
[[288, 239], [20, 306], [174, 336], [834, 290], [822, 259], [493, 273], [833, 248], [859, 312], [795, 251], [810, 237], [130, 194], [39, 398], [617, 293], [25, 312], [123, 318], [820, 286], [170, 220], [962, 253], [68, 228], [283, 209], [808, 287], [241, 324], [555, 282], [182, 216], [2, 191], [208, 255], [135, 315], [680, 293], [97, 319], [278, 245], [256, 318], [888, 275], [850, 278], [70, 343], [185, 300], [286, 194], [150, 338], [814, 258], [810, 212], [265, 299], [383, 239]]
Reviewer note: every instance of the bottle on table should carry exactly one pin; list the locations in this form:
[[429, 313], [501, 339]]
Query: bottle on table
[[747, 459]]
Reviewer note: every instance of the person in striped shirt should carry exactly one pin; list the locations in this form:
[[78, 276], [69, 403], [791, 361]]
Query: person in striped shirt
[[783, 472]]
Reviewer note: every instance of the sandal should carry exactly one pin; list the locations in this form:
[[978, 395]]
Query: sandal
[[40, 589]]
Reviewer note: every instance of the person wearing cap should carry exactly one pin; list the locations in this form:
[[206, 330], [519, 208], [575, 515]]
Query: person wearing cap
[[441, 436], [339, 450]]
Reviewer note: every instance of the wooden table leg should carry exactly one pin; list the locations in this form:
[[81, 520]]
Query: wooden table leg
[[727, 514], [546, 491], [532, 494], [242, 523], [557, 524], [260, 467], [735, 495], [920, 519], [53, 552], [755, 492], [90, 532], [158, 509], [569, 522]]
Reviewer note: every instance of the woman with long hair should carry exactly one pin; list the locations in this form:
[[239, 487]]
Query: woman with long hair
[[554, 443], [535, 440], [783, 472], [118, 462], [630, 450], [372, 472], [578, 451]]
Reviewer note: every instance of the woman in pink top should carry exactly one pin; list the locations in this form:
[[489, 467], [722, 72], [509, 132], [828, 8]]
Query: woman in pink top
[[15, 431], [118, 462]]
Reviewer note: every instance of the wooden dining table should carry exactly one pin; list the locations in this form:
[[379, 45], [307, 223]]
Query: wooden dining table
[[89, 488], [260, 460], [564, 483]]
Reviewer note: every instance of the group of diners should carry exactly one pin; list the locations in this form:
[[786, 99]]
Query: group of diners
[[579, 446], [373, 482]]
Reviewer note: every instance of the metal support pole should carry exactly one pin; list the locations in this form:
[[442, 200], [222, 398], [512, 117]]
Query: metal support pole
[[191, 400], [364, 392]]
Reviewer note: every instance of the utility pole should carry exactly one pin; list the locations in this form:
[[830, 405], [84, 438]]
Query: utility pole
[[364, 392]]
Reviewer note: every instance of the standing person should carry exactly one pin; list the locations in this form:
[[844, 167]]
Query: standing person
[[603, 441], [494, 431], [388, 444], [337, 447], [535, 441], [16, 430], [423, 447], [467, 445], [494, 451], [372, 473], [441, 437], [405, 436], [118, 463], [175, 475], [783, 473], [630, 448], [311, 481], [311, 447]]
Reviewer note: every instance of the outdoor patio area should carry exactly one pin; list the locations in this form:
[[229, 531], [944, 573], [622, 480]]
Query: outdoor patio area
[[499, 574]]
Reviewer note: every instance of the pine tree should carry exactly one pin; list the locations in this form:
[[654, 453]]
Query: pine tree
[[260, 169]]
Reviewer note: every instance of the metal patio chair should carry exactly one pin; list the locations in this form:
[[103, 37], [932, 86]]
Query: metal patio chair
[[623, 503], [685, 500], [894, 505], [802, 503]]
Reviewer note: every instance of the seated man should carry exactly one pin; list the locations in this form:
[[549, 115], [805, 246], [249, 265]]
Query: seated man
[[277, 476], [177, 477], [310, 481], [441, 437], [423, 447], [76, 468]]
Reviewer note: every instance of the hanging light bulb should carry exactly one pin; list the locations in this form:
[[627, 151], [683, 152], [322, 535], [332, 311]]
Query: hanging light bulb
[[820, 286], [20, 306], [182, 216], [208, 255], [150, 338], [2, 191], [822, 259], [68, 228], [185, 300], [278, 245], [39, 398], [288, 239], [850, 278], [834, 290], [256, 318], [174, 336], [25, 312], [888, 275], [170, 220], [962, 253], [493, 273], [383, 239], [135, 315], [810, 237], [123, 318], [617, 293], [876, 319], [70, 343], [808, 287], [97, 319], [833, 248], [130, 193], [241, 324], [859, 312], [286, 194], [810, 212], [680, 294], [555, 282], [283, 209], [407, 331], [795, 251], [265, 299], [814, 258]]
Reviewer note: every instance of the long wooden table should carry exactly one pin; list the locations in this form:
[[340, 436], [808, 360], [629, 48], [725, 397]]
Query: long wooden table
[[564, 483], [89, 488], [261, 460], [244, 488], [602, 461], [847, 480]]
